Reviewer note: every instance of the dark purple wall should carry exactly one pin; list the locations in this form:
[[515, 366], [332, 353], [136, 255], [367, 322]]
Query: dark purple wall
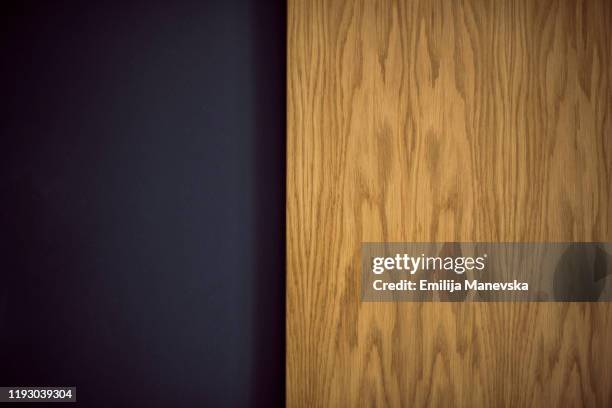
[[142, 180]]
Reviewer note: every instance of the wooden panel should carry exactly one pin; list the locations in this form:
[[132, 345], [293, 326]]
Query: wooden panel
[[444, 121]]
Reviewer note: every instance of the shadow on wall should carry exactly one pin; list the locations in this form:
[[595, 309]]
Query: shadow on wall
[[269, 61]]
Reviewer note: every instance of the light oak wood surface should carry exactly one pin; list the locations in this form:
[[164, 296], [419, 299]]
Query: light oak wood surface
[[444, 121]]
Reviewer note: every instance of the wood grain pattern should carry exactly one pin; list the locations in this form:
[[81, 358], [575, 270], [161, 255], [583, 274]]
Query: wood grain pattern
[[444, 121]]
